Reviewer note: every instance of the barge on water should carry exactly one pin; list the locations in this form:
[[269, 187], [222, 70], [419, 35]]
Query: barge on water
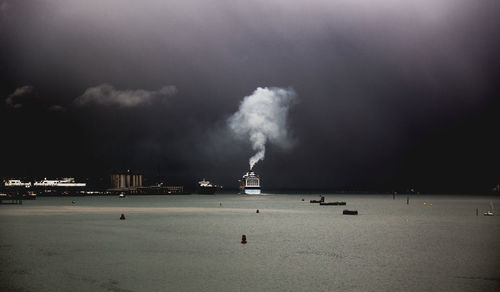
[[350, 212], [321, 200], [332, 203]]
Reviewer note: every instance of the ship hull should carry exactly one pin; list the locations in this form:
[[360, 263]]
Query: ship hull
[[248, 191], [207, 190]]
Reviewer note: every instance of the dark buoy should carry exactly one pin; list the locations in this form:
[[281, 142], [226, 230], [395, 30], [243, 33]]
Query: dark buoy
[[257, 211], [122, 217], [302, 199], [73, 202], [243, 239]]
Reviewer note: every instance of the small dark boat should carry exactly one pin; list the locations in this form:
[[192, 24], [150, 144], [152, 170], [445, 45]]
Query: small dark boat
[[490, 211], [318, 201], [332, 203], [350, 212]]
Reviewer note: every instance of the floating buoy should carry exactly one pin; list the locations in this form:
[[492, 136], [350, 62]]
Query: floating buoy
[[302, 199], [425, 203], [243, 239], [122, 217], [73, 202], [257, 211]]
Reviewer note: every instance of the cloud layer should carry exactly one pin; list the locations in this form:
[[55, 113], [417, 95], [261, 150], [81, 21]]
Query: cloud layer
[[107, 95], [14, 99]]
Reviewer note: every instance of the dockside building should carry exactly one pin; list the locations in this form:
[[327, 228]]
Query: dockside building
[[126, 181]]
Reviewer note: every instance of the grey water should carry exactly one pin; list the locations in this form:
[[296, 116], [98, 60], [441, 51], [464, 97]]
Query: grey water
[[192, 243]]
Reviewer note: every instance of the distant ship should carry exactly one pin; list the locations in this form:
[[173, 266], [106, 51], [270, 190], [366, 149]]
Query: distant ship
[[16, 183], [250, 184], [17, 188], [206, 187], [65, 182]]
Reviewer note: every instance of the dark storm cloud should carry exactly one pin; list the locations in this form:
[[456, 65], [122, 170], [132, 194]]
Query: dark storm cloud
[[56, 108], [4, 5], [387, 87]]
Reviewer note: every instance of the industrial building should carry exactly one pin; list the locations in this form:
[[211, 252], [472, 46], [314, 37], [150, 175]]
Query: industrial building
[[131, 183], [126, 181]]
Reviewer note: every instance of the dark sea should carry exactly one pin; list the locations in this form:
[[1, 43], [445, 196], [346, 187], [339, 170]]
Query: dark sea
[[192, 243]]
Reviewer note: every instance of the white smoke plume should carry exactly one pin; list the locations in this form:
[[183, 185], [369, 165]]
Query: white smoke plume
[[262, 116]]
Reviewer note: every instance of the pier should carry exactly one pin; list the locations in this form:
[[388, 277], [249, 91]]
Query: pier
[[15, 198], [11, 200]]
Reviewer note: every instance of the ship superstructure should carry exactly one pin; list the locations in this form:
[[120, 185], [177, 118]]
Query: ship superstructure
[[205, 187], [65, 182], [250, 183], [52, 187], [17, 183]]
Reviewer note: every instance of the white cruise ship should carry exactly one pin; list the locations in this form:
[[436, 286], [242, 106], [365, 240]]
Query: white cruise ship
[[65, 182], [250, 184], [16, 183]]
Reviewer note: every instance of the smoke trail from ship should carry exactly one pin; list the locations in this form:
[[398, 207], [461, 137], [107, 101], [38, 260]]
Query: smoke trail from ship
[[261, 117]]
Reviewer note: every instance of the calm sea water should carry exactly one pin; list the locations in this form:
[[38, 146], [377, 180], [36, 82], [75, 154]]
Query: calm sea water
[[192, 243]]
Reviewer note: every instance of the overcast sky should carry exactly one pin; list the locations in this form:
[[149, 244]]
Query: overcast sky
[[386, 93]]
